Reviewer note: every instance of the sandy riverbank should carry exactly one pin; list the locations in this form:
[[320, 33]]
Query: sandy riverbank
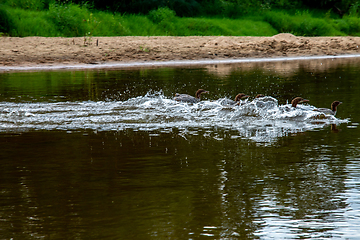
[[41, 51]]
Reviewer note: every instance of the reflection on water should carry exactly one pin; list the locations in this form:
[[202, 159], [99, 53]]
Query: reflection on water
[[135, 184], [110, 155]]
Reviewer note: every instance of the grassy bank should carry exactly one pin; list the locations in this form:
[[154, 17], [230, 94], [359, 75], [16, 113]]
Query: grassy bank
[[70, 20]]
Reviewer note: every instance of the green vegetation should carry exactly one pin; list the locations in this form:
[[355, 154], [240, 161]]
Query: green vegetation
[[66, 18], [302, 24]]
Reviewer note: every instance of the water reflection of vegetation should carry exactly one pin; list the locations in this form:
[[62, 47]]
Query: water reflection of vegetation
[[136, 184]]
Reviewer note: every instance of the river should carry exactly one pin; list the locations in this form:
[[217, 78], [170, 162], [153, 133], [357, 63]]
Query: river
[[108, 153]]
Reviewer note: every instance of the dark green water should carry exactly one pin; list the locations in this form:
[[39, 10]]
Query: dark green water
[[65, 174]]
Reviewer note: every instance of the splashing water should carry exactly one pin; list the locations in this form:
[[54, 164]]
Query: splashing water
[[261, 120]]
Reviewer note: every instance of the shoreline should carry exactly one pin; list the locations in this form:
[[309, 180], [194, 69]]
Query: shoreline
[[179, 63], [42, 53]]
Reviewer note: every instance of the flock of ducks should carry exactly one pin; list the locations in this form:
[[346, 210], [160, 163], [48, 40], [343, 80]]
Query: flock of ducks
[[190, 99]]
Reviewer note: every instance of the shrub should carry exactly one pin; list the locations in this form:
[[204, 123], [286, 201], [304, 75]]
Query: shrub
[[137, 25], [5, 21], [106, 24], [211, 8], [69, 19], [240, 9], [349, 25], [185, 8], [161, 14], [354, 9]]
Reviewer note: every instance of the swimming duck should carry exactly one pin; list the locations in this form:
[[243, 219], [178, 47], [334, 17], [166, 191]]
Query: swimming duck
[[190, 99], [297, 100], [331, 111], [238, 97], [259, 96]]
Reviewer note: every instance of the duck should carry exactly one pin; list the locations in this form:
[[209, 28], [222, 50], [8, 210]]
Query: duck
[[328, 111], [190, 99], [239, 97], [226, 101], [297, 100], [259, 95]]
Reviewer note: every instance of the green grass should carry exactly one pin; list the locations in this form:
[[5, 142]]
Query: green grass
[[349, 25], [222, 26], [138, 25], [27, 4], [105, 24], [71, 20], [301, 24], [31, 23]]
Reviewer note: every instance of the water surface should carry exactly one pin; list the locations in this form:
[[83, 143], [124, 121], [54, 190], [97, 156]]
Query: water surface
[[108, 154]]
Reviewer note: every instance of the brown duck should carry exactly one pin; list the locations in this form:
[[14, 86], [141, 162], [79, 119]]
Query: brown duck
[[190, 99], [328, 111]]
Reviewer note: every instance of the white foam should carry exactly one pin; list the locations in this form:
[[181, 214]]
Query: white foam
[[261, 120]]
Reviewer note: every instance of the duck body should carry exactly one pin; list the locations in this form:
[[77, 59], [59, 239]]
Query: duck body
[[328, 111], [190, 99], [185, 98]]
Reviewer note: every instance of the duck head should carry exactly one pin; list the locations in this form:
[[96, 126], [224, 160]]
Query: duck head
[[199, 92], [334, 105], [297, 100], [240, 96]]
